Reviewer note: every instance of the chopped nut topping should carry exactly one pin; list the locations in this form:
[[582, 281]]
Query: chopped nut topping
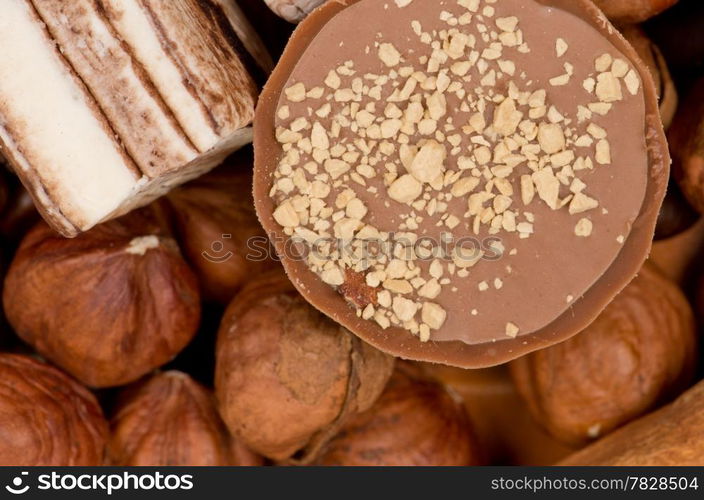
[[333, 276], [433, 315], [583, 228], [428, 163], [551, 138], [560, 47], [286, 215], [632, 82], [457, 124], [389, 55], [603, 152], [603, 62], [608, 88], [296, 93], [511, 330]]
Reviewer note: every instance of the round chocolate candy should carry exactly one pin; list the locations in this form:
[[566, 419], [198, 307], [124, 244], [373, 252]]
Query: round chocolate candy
[[460, 181]]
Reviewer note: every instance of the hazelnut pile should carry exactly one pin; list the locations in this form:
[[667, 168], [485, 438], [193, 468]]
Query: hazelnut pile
[[171, 336]]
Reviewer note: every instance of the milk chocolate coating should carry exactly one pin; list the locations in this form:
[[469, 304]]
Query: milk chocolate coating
[[598, 282]]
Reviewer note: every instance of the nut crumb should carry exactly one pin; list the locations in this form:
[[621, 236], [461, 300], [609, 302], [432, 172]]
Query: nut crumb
[[583, 228], [142, 244], [560, 47]]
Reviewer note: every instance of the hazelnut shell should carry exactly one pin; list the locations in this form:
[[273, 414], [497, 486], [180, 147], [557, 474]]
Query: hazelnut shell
[[171, 420], [640, 351], [633, 11], [415, 422], [507, 433], [287, 376], [47, 418], [218, 229], [108, 306], [671, 436], [686, 137], [678, 257]]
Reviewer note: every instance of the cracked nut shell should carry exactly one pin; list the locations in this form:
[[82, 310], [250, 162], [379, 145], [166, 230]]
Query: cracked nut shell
[[287, 376], [640, 351], [415, 422], [46, 418], [108, 306], [171, 420]]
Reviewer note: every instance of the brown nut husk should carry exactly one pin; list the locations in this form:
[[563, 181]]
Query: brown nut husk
[[286, 376], [218, 229], [640, 351], [293, 11], [415, 422], [171, 420], [671, 436], [108, 306], [686, 136], [633, 11], [46, 418], [651, 55]]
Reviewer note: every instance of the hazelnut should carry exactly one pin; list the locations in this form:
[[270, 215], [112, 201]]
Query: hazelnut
[[667, 437], [293, 10], [286, 376], [639, 351], [46, 417], [633, 11], [686, 136], [416, 421], [676, 215], [108, 306], [651, 55], [218, 229], [171, 420], [679, 257], [506, 432]]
